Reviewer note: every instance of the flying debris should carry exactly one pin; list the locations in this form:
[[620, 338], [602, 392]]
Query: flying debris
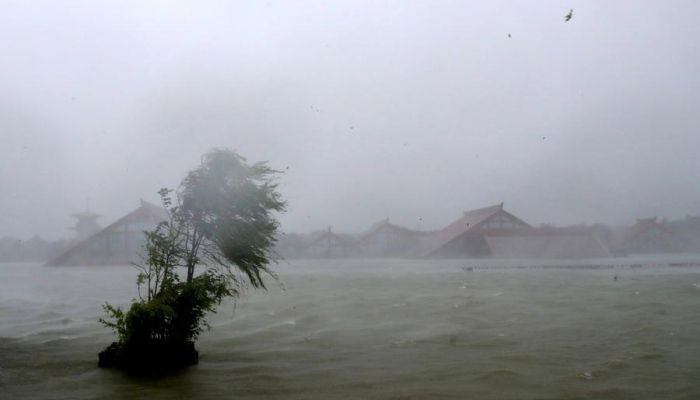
[[568, 16], [509, 35]]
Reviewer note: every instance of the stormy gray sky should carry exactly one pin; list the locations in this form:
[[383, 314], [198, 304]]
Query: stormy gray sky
[[415, 110]]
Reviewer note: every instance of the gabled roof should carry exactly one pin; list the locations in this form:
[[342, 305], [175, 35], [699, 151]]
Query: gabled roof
[[347, 244], [642, 225], [156, 212], [376, 226], [546, 243], [326, 235], [383, 224], [470, 220]]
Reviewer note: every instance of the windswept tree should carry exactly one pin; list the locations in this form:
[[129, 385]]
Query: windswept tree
[[217, 241]]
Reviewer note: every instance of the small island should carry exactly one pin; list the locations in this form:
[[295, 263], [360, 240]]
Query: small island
[[216, 241]]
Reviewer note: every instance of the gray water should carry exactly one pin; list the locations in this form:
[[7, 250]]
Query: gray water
[[375, 330]]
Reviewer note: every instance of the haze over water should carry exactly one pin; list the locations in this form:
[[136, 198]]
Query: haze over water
[[412, 111], [376, 329]]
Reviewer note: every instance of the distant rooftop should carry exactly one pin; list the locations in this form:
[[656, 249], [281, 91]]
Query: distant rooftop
[[86, 214]]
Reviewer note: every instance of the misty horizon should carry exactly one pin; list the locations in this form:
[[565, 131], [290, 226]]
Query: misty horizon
[[412, 111]]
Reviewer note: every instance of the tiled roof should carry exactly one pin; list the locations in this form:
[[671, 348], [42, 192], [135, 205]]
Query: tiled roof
[[381, 224], [546, 243], [152, 210], [470, 219]]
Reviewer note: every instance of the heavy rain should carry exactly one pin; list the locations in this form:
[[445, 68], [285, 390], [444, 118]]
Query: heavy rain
[[349, 199]]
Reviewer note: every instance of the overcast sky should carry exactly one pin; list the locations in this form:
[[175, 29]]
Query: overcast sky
[[413, 110]]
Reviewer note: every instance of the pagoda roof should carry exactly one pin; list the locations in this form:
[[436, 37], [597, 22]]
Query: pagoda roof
[[86, 214], [145, 209]]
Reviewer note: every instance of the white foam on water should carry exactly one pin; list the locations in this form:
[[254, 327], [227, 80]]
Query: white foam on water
[[586, 375], [337, 330]]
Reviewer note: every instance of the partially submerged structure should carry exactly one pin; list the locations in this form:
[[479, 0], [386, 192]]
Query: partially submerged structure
[[384, 239], [120, 243], [290, 245], [648, 236], [546, 243], [86, 225], [489, 232], [330, 245], [34, 249], [492, 232], [689, 230], [465, 237]]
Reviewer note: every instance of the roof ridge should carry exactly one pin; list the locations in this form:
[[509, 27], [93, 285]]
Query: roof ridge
[[495, 207], [80, 244]]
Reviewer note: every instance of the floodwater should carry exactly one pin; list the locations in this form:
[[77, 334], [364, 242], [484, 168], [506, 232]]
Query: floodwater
[[367, 329]]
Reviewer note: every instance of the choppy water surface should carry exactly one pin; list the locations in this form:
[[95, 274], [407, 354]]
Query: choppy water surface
[[375, 330]]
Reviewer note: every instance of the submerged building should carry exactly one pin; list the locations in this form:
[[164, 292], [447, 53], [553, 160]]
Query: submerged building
[[689, 230], [384, 239], [648, 236], [546, 243], [330, 245], [465, 238], [290, 245], [492, 232], [120, 243]]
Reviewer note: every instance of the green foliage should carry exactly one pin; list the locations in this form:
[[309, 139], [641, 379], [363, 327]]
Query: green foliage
[[175, 314], [221, 221], [231, 205]]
